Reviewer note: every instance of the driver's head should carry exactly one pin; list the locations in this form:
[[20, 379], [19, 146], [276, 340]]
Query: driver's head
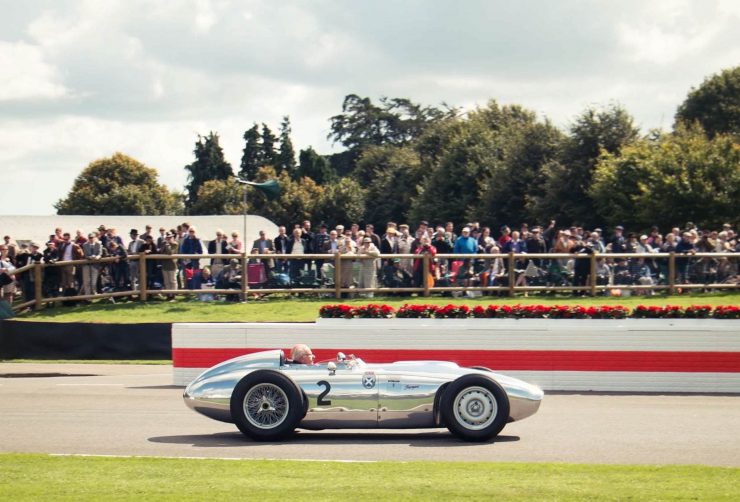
[[302, 354]]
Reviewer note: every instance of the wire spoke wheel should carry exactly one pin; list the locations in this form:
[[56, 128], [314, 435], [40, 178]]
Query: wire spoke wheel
[[266, 406]]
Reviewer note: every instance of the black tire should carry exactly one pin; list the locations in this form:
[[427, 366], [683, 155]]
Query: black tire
[[474, 408], [266, 406]]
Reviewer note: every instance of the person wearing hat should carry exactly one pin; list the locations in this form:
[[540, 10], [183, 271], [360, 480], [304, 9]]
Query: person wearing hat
[[169, 265], [389, 244], [134, 248], [52, 275], [27, 255], [152, 269], [618, 243], [93, 251], [369, 266]]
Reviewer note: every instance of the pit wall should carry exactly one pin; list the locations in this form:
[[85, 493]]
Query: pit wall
[[625, 355]]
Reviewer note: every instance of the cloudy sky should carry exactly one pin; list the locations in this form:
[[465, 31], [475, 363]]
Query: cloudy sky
[[82, 79]]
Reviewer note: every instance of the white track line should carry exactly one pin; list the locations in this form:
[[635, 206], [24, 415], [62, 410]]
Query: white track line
[[216, 458]]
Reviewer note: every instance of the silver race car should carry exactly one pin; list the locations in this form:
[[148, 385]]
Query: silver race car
[[268, 397]]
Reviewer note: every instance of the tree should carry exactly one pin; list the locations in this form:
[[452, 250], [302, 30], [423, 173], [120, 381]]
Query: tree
[[219, 197], [251, 154], [715, 104], [267, 158], [526, 146], [672, 178], [342, 201], [396, 121], [298, 198], [451, 189], [285, 160], [567, 181], [119, 185], [391, 177], [314, 166], [209, 165]]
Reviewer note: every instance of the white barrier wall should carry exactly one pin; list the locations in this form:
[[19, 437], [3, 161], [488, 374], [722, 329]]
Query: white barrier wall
[[630, 355]]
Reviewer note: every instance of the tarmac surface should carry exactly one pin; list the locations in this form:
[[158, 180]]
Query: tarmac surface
[[134, 410]]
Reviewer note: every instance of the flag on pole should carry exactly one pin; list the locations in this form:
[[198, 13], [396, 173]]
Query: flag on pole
[[270, 188]]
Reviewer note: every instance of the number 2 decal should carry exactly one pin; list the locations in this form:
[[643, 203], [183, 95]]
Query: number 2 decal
[[327, 387]]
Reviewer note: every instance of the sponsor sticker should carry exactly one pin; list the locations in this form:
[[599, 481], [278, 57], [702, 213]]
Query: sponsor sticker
[[368, 380]]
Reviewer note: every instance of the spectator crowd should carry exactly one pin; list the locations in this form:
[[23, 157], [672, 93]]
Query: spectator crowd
[[366, 269]]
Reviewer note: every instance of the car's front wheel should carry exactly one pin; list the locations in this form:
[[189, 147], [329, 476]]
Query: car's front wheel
[[266, 406], [474, 407]]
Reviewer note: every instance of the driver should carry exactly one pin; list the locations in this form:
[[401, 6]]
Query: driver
[[301, 354]]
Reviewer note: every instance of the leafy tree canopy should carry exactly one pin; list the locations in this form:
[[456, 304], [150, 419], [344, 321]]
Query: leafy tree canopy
[[715, 105], [119, 185], [209, 164], [668, 179]]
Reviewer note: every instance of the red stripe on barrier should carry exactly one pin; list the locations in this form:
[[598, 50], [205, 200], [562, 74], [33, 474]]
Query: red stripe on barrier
[[533, 360]]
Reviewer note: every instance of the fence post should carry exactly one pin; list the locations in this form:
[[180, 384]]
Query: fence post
[[512, 274], [592, 280], [38, 287], [425, 270], [142, 277], [671, 273], [337, 275], [245, 275]]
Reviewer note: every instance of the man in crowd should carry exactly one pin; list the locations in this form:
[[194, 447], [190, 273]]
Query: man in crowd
[[169, 265], [69, 251], [93, 250], [191, 245], [281, 247], [134, 248], [7, 279], [218, 245], [12, 248], [319, 239], [27, 256], [618, 243]]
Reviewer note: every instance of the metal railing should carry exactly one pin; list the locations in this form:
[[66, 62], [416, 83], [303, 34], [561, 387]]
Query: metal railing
[[514, 273]]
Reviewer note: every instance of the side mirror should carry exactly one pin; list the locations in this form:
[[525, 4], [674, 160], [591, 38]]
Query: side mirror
[[341, 357], [332, 367]]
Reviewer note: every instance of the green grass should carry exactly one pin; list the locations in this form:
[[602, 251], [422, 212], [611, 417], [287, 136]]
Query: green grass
[[280, 309], [42, 477]]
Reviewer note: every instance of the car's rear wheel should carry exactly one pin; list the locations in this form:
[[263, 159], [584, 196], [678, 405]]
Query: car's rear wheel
[[474, 407], [266, 406]]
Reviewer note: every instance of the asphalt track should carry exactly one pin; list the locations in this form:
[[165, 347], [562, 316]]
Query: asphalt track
[[133, 410]]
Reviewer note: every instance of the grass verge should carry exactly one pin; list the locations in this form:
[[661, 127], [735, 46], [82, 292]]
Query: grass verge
[[280, 309], [43, 477]]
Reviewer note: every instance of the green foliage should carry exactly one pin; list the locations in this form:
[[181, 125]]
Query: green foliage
[[391, 176], [209, 165], [314, 166], [268, 156], [715, 105], [452, 186], [285, 160], [526, 146], [396, 121], [219, 197], [298, 200], [341, 201], [672, 178], [118, 185], [251, 154], [566, 184]]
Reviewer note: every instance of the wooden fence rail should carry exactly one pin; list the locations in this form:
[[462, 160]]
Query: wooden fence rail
[[426, 288]]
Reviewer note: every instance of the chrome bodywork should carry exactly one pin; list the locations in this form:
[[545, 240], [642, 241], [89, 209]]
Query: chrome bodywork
[[353, 394]]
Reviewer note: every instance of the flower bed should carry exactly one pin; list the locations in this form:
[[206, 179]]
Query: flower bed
[[406, 311]]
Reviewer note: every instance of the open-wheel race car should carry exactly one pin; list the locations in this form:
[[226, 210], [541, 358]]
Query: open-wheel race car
[[268, 397]]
